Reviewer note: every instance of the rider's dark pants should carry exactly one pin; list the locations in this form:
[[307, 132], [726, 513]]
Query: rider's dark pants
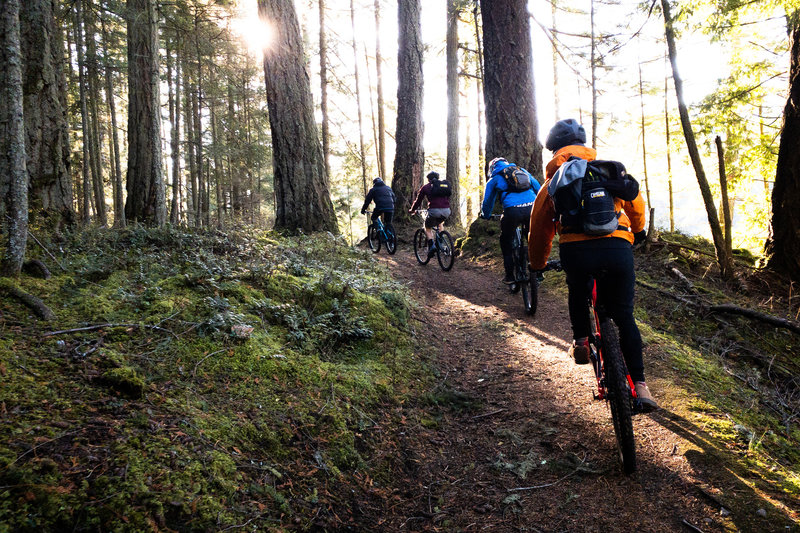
[[512, 217], [610, 261], [387, 218]]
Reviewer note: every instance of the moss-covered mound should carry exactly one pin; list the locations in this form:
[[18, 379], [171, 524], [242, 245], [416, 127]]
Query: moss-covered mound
[[482, 239], [199, 382]]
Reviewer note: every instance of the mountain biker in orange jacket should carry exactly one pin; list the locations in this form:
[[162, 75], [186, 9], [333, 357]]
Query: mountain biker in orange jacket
[[583, 257]]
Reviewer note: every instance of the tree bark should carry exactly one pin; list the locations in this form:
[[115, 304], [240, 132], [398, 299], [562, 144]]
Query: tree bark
[[362, 151], [725, 264], [511, 121], [726, 208], [95, 145], [13, 171], [480, 100], [46, 128], [86, 189], [783, 245], [323, 86], [669, 157], [188, 153], [146, 202], [453, 156], [379, 87], [302, 197], [644, 137], [175, 136], [409, 156], [116, 174]]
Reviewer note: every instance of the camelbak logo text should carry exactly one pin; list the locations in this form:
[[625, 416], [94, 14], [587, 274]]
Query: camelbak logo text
[[597, 194]]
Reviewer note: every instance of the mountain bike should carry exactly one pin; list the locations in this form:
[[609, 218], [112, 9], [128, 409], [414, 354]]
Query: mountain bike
[[377, 234], [442, 245], [522, 276], [614, 383]]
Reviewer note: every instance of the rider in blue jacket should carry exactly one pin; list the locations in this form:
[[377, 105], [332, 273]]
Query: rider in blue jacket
[[516, 209]]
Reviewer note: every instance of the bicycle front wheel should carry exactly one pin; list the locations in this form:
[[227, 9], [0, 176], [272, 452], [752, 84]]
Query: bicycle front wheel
[[421, 247], [523, 275], [373, 239], [444, 251], [619, 395], [391, 242]]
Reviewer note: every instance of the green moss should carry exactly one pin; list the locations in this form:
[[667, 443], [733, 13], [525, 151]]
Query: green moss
[[124, 380]]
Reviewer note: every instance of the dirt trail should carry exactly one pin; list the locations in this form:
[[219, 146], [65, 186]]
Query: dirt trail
[[536, 425]]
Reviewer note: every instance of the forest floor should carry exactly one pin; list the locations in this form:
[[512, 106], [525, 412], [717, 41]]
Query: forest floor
[[517, 442]]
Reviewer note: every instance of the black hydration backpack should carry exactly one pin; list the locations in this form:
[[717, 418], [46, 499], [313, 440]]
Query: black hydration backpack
[[440, 188], [584, 191], [517, 178]]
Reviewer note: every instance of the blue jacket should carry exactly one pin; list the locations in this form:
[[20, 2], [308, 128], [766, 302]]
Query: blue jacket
[[498, 185]]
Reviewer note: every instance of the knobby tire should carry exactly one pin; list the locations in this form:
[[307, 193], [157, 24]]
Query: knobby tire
[[524, 276], [373, 239], [619, 395], [444, 251], [391, 242], [421, 247]]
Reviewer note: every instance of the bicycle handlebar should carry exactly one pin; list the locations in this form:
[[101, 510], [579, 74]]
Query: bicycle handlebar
[[553, 264]]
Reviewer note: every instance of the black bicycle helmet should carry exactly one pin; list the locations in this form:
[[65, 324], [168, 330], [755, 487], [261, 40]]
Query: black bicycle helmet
[[565, 133], [493, 163], [377, 180], [432, 176]]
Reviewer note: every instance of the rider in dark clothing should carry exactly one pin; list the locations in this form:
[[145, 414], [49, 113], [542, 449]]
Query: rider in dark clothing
[[383, 196]]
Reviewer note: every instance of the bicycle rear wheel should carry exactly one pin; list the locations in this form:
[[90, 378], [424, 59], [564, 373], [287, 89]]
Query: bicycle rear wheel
[[373, 239], [421, 247], [391, 242], [619, 395], [444, 251]]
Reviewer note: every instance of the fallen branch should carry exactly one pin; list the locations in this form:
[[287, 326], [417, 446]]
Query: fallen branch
[[559, 480], [32, 302], [730, 309], [488, 414], [194, 371], [671, 244], [103, 326], [690, 526], [756, 315]]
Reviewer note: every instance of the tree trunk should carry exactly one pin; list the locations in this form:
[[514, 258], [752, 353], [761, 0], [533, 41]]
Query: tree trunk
[[409, 156], [197, 122], [726, 207], [146, 202], [323, 85], [116, 174], [379, 88], [302, 197], [87, 191], [669, 157], [725, 263], [644, 137], [13, 172], [358, 103], [217, 164], [453, 156], [188, 154], [783, 245], [480, 100], [511, 123], [95, 145], [46, 128], [556, 101], [175, 137], [593, 45]]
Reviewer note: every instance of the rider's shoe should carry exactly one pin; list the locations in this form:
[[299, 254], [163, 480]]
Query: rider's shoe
[[509, 279], [431, 251], [645, 398], [579, 351]]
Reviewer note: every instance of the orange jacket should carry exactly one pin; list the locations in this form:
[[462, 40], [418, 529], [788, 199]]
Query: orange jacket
[[544, 224]]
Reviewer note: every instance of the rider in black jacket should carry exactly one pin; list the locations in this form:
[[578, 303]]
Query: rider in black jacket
[[383, 196]]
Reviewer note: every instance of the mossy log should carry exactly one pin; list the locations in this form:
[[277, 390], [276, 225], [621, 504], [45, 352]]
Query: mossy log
[[35, 304]]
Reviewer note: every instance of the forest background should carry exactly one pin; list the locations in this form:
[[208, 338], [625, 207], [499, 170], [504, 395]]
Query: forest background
[[604, 63]]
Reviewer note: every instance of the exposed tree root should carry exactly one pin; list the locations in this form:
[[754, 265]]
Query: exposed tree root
[[35, 304]]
